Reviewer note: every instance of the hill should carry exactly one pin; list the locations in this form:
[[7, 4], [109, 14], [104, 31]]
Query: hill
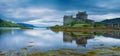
[[111, 21], [27, 25], [4, 23]]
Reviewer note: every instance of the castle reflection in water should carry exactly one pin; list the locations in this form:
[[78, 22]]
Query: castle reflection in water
[[81, 37]]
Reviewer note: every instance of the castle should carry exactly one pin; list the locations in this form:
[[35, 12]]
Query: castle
[[81, 17]]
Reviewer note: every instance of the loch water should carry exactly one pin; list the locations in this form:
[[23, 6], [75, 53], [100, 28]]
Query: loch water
[[42, 39]]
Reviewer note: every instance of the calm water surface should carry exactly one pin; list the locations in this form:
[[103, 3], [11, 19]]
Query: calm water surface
[[43, 40]]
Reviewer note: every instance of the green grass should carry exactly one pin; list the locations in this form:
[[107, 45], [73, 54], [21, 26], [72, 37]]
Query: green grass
[[82, 25], [5, 23]]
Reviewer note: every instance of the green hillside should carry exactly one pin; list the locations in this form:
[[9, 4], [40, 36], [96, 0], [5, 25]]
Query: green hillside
[[4, 23]]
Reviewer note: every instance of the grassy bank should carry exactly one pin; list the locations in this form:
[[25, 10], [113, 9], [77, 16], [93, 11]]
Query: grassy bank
[[83, 29], [113, 51]]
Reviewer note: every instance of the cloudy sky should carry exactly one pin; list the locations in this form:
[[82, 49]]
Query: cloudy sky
[[51, 12]]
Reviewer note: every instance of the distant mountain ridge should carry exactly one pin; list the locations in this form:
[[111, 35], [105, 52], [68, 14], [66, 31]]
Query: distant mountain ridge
[[5, 23], [111, 21], [27, 25]]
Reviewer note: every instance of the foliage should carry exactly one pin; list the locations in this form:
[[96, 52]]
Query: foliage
[[98, 24], [57, 26], [4, 23]]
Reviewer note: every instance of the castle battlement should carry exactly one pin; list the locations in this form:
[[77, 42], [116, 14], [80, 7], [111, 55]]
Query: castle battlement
[[80, 17], [67, 17]]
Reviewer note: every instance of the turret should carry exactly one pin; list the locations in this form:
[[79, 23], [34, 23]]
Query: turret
[[81, 15]]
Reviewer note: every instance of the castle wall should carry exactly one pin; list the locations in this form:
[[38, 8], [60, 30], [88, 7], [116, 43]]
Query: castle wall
[[81, 17], [68, 20]]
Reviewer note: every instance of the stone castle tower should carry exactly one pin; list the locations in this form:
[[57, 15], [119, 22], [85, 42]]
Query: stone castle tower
[[81, 17], [68, 19]]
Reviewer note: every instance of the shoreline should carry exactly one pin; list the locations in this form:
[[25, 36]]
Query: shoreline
[[15, 28], [83, 29]]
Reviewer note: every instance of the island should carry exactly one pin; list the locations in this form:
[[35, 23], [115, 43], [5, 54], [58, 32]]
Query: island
[[82, 23]]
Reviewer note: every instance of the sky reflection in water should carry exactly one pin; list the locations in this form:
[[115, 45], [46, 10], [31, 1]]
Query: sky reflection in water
[[43, 40]]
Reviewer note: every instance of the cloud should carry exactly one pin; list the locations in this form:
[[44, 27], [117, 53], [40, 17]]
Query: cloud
[[28, 12], [51, 12], [112, 4], [34, 13], [40, 22]]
